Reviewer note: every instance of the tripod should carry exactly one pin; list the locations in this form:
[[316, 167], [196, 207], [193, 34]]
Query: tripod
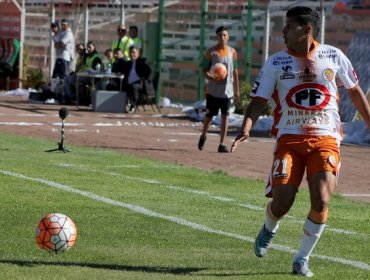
[[62, 114]]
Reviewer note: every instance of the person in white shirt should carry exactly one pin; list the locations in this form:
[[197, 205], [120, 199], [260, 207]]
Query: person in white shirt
[[65, 51]]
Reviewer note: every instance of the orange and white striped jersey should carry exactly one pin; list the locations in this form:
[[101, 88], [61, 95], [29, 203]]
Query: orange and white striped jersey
[[303, 90]]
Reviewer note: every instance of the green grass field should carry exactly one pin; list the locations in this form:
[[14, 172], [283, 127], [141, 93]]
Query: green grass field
[[145, 219]]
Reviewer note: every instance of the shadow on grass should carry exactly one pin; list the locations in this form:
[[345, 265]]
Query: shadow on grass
[[149, 269]]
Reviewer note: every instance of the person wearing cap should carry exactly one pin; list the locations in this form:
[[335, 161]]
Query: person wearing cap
[[123, 42], [65, 52]]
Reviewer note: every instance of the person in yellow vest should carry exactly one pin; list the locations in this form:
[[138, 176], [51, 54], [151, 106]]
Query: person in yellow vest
[[138, 42], [93, 59], [123, 41], [93, 64]]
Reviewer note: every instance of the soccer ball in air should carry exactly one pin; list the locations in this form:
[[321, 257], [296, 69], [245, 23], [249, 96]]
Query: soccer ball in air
[[218, 71], [56, 233]]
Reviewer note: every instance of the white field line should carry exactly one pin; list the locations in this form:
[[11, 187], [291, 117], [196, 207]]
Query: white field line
[[22, 123], [207, 194], [184, 222], [356, 194], [106, 124]]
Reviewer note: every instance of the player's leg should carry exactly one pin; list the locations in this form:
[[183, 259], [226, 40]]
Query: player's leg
[[224, 104], [285, 184], [222, 148], [211, 110], [321, 185], [283, 199]]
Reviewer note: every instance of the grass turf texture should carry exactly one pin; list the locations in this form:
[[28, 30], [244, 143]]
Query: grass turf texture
[[118, 241]]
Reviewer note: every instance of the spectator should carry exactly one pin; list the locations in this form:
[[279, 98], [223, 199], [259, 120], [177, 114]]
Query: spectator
[[138, 42], [64, 44], [93, 60], [123, 42], [55, 33], [93, 64], [108, 60], [118, 67], [119, 62], [69, 82], [136, 77]]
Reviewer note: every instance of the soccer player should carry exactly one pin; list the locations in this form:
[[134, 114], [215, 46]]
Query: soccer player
[[219, 93], [305, 77]]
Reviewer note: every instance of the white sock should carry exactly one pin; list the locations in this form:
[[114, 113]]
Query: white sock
[[311, 235], [271, 222]]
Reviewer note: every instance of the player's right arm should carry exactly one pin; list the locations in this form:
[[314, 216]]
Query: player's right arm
[[251, 116], [207, 65]]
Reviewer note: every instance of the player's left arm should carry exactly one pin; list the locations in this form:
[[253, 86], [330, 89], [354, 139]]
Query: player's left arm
[[359, 100], [236, 75]]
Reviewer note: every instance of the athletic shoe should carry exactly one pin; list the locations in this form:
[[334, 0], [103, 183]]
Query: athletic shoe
[[132, 109], [222, 149], [263, 242], [202, 140], [300, 267]]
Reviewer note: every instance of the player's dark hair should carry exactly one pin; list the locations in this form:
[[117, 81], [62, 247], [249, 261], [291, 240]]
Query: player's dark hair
[[221, 28], [304, 16]]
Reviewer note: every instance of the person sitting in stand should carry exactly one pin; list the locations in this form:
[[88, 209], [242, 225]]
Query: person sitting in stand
[[93, 64], [136, 77], [118, 67], [108, 60]]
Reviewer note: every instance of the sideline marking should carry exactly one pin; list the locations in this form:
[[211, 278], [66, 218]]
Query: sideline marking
[[22, 123], [357, 194], [105, 124], [181, 221]]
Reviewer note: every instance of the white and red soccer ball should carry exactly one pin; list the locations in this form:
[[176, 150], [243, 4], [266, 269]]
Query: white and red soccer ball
[[56, 233], [218, 71]]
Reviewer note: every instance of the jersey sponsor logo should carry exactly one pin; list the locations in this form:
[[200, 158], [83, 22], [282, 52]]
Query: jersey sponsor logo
[[287, 75], [255, 87], [310, 120], [328, 54], [328, 74], [308, 96], [282, 60], [285, 62]]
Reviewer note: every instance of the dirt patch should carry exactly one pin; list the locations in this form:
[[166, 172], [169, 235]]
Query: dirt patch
[[170, 136]]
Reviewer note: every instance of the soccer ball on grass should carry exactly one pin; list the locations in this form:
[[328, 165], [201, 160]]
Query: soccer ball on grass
[[56, 233]]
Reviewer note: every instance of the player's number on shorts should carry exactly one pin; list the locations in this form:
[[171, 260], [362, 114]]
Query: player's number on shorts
[[280, 164]]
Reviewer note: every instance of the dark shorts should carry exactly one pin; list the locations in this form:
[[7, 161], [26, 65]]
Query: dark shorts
[[214, 104]]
